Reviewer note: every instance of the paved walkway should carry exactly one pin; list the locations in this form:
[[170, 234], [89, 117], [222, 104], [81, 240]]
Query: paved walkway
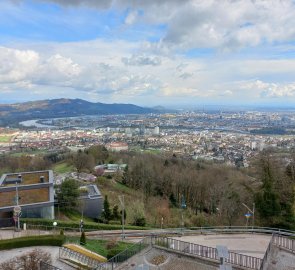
[[249, 244]]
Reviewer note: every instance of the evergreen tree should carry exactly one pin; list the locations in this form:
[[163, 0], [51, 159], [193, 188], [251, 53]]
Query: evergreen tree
[[267, 199], [107, 214], [83, 239]]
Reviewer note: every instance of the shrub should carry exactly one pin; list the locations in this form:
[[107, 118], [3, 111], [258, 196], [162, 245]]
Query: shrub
[[42, 240], [27, 261], [111, 244], [139, 221], [72, 224]]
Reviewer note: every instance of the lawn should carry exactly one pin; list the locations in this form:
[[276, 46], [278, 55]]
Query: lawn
[[106, 248], [62, 168], [5, 138]]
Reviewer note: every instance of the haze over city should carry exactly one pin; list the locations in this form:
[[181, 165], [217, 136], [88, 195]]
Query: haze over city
[[171, 53]]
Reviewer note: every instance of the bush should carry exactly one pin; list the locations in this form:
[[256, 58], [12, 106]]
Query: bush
[[27, 261], [71, 224], [113, 252], [42, 240], [139, 221], [111, 244]]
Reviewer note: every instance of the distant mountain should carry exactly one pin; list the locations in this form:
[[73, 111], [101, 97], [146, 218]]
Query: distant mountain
[[14, 113]]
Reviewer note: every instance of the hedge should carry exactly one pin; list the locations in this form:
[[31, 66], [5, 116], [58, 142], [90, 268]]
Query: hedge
[[29, 241], [75, 225]]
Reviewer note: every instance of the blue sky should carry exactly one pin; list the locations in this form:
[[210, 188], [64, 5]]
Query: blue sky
[[168, 52]]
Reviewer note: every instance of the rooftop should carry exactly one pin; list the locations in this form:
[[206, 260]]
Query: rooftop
[[24, 178]]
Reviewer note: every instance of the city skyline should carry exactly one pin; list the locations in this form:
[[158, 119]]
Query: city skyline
[[148, 52]]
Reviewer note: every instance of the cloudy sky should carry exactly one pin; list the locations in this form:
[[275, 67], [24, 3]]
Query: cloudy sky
[[149, 52]]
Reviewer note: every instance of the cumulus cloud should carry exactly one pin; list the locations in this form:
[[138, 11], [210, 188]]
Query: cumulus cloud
[[273, 90], [25, 69], [225, 25], [17, 65]]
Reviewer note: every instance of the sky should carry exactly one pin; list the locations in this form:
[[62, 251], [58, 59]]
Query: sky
[[149, 52]]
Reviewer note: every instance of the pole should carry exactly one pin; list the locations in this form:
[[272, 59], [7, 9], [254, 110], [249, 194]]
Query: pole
[[253, 221], [16, 199], [182, 223], [121, 198], [123, 219]]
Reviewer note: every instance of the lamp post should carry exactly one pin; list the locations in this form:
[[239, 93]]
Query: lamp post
[[121, 199], [252, 212], [183, 206], [17, 208], [54, 226]]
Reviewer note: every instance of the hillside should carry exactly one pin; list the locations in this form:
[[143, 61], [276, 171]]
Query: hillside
[[12, 113]]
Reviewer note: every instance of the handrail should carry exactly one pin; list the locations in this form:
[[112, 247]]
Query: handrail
[[190, 230], [251, 229], [285, 242], [66, 253], [206, 252]]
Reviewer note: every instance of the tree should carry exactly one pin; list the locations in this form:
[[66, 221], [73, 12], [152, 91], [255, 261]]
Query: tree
[[99, 152], [83, 239], [231, 205], [137, 214], [107, 214], [267, 199], [68, 194], [116, 215], [82, 161]]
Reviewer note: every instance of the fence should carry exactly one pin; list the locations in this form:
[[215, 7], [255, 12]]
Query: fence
[[285, 242], [239, 229], [206, 252], [73, 256], [46, 266], [279, 241], [125, 255]]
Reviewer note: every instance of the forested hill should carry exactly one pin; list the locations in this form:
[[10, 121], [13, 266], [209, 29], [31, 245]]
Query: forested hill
[[11, 113]]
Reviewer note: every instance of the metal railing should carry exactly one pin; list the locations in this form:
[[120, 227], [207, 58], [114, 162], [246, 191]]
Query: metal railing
[[125, 255], [279, 241], [73, 256], [239, 229], [47, 266], [285, 242], [206, 252]]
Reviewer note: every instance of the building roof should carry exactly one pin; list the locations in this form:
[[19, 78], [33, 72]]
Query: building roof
[[33, 188]]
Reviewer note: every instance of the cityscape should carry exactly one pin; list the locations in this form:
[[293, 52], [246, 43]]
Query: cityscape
[[226, 137], [147, 135]]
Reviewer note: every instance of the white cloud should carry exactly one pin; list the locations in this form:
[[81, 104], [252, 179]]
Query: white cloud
[[272, 90], [17, 65], [125, 72]]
